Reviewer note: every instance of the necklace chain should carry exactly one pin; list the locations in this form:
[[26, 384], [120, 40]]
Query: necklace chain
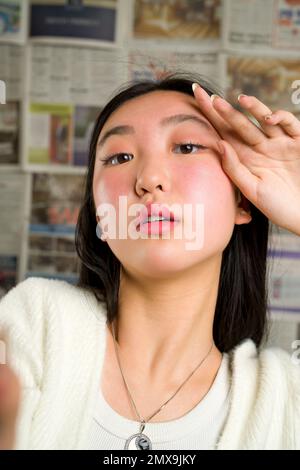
[[144, 421]]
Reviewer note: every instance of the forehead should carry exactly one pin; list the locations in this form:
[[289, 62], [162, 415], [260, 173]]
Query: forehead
[[154, 106]]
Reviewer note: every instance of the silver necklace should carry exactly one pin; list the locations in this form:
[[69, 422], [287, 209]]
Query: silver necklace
[[140, 440]]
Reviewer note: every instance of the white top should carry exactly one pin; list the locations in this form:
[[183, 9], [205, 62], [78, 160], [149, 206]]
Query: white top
[[56, 345], [197, 429]]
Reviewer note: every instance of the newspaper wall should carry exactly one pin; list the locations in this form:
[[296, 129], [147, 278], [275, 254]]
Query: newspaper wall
[[62, 60]]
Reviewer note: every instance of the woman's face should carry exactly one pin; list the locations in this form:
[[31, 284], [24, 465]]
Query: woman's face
[[160, 165]]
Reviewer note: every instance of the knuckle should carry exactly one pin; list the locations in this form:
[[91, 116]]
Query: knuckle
[[243, 126]]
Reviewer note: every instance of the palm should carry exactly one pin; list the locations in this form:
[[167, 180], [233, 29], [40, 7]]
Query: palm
[[275, 167], [262, 160]]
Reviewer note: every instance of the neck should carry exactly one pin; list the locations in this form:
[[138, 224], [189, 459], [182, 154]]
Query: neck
[[165, 327]]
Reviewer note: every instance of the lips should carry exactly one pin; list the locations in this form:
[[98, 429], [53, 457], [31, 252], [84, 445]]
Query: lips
[[158, 227], [156, 210]]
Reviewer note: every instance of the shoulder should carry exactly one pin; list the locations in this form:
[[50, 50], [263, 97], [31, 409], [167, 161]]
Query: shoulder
[[274, 371], [265, 389], [268, 361], [38, 300], [34, 288], [43, 318]]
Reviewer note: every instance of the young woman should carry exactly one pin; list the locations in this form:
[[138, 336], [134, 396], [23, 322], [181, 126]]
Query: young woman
[[160, 346]]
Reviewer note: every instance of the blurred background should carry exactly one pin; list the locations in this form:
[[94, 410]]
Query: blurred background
[[60, 61]]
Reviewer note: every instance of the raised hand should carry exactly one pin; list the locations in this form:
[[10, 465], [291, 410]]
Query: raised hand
[[262, 160]]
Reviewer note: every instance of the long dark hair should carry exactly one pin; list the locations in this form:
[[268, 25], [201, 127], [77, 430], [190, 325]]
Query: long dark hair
[[241, 308]]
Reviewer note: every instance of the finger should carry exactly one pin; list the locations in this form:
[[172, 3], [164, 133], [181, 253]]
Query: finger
[[287, 121], [9, 405], [251, 134], [9, 393], [205, 104], [237, 172], [259, 110]]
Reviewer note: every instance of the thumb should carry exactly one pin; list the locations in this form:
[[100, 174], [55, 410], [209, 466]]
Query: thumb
[[236, 170], [10, 393]]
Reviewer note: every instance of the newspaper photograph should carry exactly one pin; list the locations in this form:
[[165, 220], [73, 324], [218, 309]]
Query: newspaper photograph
[[269, 79], [52, 257], [91, 20], [84, 121], [181, 22], [8, 273], [54, 211], [9, 133], [11, 73], [13, 187], [287, 26], [12, 196], [50, 134], [13, 21]]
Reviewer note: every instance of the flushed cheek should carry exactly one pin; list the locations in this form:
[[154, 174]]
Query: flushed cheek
[[107, 191], [210, 187], [108, 188]]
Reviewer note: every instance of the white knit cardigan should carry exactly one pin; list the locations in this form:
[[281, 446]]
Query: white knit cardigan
[[56, 345]]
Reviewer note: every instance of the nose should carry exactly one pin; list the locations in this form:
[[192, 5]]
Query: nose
[[153, 178]]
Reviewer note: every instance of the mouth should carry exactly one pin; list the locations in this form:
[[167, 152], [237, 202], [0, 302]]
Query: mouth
[[157, 226], [156, 217]]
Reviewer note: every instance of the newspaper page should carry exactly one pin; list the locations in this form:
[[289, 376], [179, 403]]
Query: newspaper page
[[248, 24], [175, 25], [13, 21], [13, 185], [55, 203], [287, 25], [68, 87], [268, 25], [11, 73], [74, 67], [151, 64], [284, 272], [271, 79], [282, 332], [92, 21]]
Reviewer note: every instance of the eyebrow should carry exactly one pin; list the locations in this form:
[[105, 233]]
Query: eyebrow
[[168, 121]]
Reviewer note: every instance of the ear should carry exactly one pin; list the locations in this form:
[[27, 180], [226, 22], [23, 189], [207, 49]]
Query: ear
[[243, 212]]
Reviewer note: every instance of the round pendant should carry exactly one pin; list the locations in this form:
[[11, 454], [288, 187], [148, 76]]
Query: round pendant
[[138, 441]]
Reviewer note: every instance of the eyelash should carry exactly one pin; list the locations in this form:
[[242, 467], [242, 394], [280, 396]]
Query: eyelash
[[107, 159]]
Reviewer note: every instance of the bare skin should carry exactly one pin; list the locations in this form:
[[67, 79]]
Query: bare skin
[[153, 346], [256, 161], [149, 398], [9, 405]]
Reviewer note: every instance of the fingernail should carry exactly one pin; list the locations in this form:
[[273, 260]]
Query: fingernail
[[268, 116], [194, 86], [241, 96], [213, 97]]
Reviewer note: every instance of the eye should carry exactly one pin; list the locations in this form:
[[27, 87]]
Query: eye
[[115, 157], [187, 147]]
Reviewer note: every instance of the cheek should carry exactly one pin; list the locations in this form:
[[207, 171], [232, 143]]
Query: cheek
[[107, 188], [207, 184]]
